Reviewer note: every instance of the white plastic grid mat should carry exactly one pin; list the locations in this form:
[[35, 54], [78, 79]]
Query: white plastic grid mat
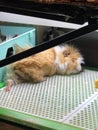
[[60, 98], [86, 117]]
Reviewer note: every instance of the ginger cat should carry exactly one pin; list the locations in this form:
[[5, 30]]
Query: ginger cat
[[64, 59]]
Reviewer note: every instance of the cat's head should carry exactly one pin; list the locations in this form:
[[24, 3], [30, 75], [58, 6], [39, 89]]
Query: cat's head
[[68, 60], [73, 59], [73, 65]]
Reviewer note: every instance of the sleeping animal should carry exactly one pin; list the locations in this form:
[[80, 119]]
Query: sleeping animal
[[63, 60]]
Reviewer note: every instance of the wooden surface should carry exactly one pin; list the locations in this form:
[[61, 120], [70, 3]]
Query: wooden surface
[[81, 2], [6, 125], [50, 1]]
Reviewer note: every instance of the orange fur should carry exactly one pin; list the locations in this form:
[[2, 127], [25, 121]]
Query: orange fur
[[58, 60], [71, 56], [36, 67]]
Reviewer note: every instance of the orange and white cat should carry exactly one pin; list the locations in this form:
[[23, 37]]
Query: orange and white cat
[[64, 59]]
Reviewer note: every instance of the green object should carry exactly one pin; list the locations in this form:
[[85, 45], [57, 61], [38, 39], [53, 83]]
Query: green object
[[34, 121], [2, 84], [26, 36]]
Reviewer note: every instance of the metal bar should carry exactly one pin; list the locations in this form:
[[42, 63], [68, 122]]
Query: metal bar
[[46, 45], [32, 12], [61, 12]]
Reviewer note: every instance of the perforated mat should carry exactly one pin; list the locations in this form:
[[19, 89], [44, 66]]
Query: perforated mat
[[68, 99]]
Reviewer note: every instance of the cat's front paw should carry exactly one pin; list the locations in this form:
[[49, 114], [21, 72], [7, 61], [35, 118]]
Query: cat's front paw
[[8, 85]]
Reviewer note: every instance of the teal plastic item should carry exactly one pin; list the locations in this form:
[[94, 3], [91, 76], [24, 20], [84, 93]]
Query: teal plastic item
[[26, 36]]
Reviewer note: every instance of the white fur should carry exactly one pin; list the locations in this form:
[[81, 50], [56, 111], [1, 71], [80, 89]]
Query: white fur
[[80, 61], [61, 68], [59, 49]]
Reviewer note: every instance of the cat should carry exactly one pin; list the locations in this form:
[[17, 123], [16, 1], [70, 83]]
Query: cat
[[62, 60]]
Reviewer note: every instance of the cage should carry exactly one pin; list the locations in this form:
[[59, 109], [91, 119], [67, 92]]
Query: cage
[[60, 103]]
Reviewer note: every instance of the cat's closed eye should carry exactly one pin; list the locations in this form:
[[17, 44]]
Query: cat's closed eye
[[66, 54]]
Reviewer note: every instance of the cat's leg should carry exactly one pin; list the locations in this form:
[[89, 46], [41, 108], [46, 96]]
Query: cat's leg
[[38, 79], [8, 85], [13, 80], [37, 76]]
